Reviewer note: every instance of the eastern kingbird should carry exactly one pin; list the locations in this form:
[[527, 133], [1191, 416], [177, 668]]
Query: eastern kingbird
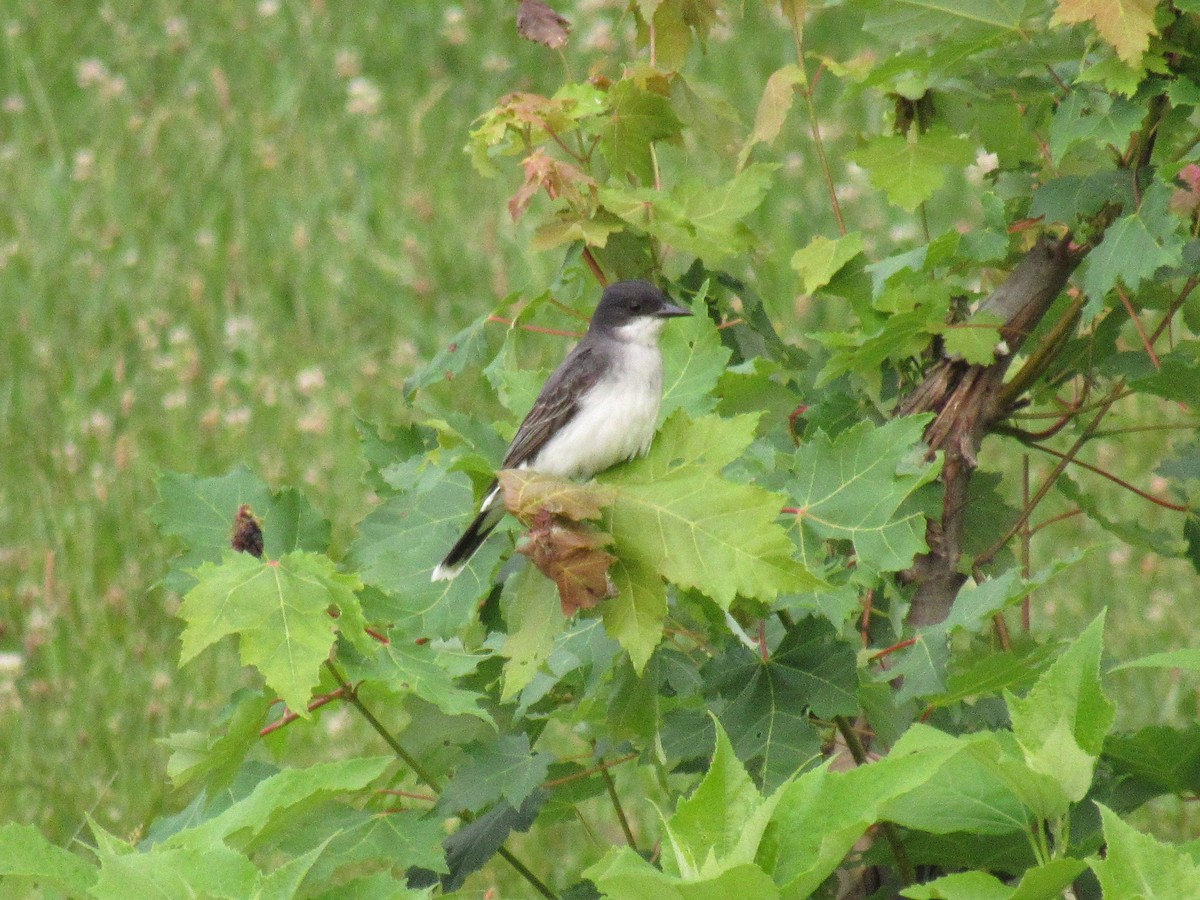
[[597, 409]]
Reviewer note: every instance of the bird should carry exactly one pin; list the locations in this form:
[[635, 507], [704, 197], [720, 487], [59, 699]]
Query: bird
[[597, 409]]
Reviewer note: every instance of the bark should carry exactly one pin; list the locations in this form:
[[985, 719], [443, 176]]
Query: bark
[[968, 401]]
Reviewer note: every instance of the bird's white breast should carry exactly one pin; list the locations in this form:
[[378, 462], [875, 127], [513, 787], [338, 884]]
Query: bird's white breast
[[615, 421]]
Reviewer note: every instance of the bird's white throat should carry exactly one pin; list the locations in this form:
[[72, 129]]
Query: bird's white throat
[[643, 330]]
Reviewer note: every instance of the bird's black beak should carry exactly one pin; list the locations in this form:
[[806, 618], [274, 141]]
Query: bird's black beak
[[670, 311]]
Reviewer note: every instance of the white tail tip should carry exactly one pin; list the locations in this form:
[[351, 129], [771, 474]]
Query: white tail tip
[[444, 573]]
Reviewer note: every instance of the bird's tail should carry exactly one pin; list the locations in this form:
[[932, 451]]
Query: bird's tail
[[490, 514]]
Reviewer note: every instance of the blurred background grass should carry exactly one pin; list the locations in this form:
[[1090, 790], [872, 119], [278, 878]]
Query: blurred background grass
[[226, 230]]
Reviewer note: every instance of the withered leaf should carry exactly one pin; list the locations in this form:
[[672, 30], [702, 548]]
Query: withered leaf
[[571, 557], [247, 532], [526, 494], [538, 22]]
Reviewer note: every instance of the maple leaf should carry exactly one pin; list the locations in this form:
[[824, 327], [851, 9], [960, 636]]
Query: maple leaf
[[280, 612], [1125, 24], [527, 493], [860, 486], [560, 179]]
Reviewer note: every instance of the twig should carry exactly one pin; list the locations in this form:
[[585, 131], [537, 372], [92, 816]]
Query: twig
[[1188, 287], [1158, 501], [908, 874], [602, 767], [289, 717], [500, 320], [1137, 324], [815, 127], [424, 774], [592, 264], [616, 802], [987, 555], [351, 695]]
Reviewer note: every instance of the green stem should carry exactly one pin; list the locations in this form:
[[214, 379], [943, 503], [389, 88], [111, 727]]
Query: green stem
[[351, 695], [814, 126], [616, 802], [908, 875], [537, 883]]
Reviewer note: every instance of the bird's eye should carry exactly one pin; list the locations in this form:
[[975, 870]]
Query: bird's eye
[[635, 306]]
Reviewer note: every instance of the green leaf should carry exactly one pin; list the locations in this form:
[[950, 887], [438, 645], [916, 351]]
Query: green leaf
[[904, 20], [693, 361], [637, 118], [401, 541], [1188, 658], [971, 792], [177, 872], [1072, 197], [696, 216], [624, 875], [845, 804], [534, 616], [961, 886], [773, 107], [428, 670], [711, 824], [911, 169], [974, 340], [1095, 118], [1134, 247], [201, 512], [470, 848], [349, 837], [1045, 882], [1164, 758], [858, 488], [768, 701], [26, 854], [993, 671], [464, 351], [504, 769], [823, 258], [275, 799], [215, 759], [1137, 865], [673, 513], [1063, 720], [1177, 377], [634, 618], [280, 611]]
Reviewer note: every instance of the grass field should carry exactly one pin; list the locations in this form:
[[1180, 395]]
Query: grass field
[[226, 231]]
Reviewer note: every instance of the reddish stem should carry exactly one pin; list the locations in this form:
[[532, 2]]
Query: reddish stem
[[1137, 323], [566, 779], [289, 717], [1158, 501], [892, 649], [555, 331]]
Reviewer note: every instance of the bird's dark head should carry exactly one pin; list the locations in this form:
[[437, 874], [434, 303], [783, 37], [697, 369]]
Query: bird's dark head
[[634, 311]]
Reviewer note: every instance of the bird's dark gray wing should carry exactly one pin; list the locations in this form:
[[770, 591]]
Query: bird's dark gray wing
[[558, 402]]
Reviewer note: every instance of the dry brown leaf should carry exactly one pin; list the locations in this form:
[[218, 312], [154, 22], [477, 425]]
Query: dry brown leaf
[[538, 22]]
